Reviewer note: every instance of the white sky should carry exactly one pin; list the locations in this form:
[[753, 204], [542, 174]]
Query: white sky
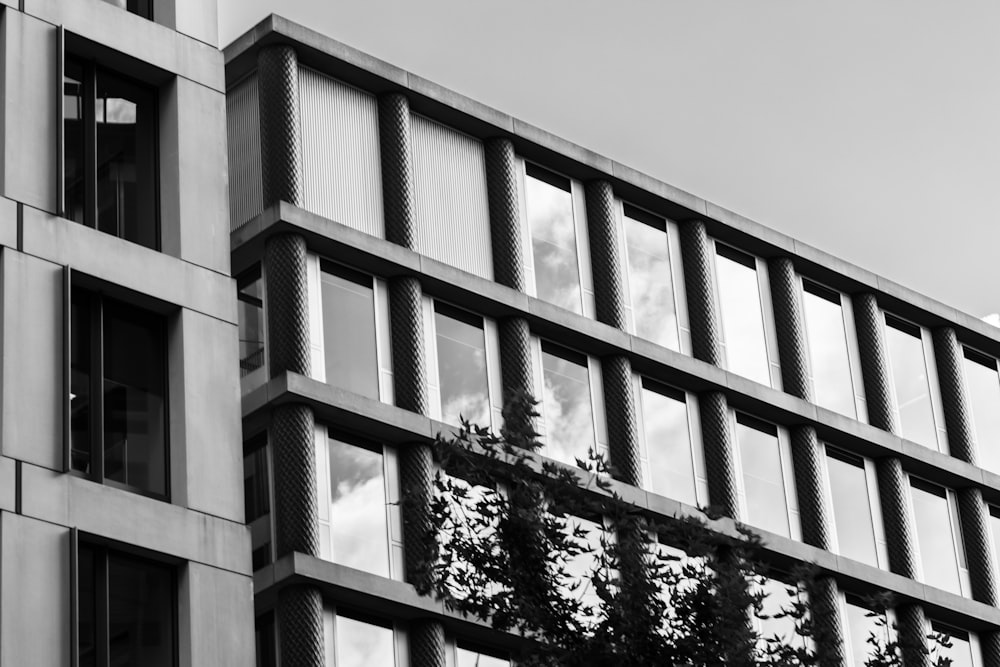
[[868, 129]]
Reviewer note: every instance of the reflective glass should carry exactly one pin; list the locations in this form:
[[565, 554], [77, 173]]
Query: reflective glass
[[87, 607], [75, 155], [767, 507], [467, 658], [852, 511], [984, 396], [553, 238], [779, 598], [995, 529], [349, 330], [251, 323], [140, 613], [358, 524], [934, 536], [582, 568], [650, 281], [569, 418], [362, 644], [81, 353], [909, 376], [461, 354], [742, 317], [828, 355], [960, 651], [668, 445], [143, 8], [134, 398], [860, 627]]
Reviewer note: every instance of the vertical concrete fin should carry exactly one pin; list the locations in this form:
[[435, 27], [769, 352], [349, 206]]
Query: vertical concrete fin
[[505, 224], [979, 545], [605, 255], [299, 617], [619, 401], [426, 639], [396, 150], [287, 304], [912, 625], [870, 325], [719, 443], [825, 610], [807, 460], [706, 331], [407, 337], [280, 131], [292, 436], [893, 491], [416, 474], [790, 327], [951, 379]]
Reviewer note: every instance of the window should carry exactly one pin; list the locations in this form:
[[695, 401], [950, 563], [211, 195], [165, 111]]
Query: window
[[650, 277], [126, 610], [774, 623], [583, 568], [358, 502], [964, 648], [742, 286], [143, 8], [358, 641], [854, 501], [862, 623], [257, 499], [250, 297], [995, 530], [768, 499], [118, 394], [828, 331], [667, 443], [474, 657], [553, 232], [984, 397], [910, 359], [936, 518], [109, 129], [567, 405], [462, 348]]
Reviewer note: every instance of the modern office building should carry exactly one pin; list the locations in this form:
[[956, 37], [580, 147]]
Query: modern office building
[[122, 533]]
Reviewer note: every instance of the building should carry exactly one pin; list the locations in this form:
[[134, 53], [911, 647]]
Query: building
[[122, 536], [387, 231]]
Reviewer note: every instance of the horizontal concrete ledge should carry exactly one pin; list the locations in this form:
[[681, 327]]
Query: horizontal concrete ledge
[[360, 69], [338, 242]]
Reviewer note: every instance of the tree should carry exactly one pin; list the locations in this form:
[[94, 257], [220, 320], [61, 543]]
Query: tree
[[556, 556]]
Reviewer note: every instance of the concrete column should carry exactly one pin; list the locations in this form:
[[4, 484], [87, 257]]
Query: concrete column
[[505, 224], [409, 368], [299, 617], [396, 150], [623, 435], [605, 256], [287, 293], [825, 610], [706, 330], [894, 494], [869, 323], [807, 460], [517, 376], [975, 521], [789, 324], [292, 431], [426, 643], [912, 624], [280, 132], [989, 646], [720, 443]]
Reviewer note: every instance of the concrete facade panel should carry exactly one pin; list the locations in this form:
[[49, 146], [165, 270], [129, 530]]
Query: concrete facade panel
[[129, 518], [133, 266], [195, 18], [216, 609], [32, 392], [34, 593], [8, 223], [8, 484], [30, 110], [213, 474]]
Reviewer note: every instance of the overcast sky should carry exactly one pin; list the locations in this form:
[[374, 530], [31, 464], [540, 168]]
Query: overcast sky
[[868, 129]]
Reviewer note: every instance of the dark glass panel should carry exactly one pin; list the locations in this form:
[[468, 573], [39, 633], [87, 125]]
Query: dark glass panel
[[349, 330], [87, 606], [81, 347], [74, 124], [134, 398], [140, 613], [251, 322]]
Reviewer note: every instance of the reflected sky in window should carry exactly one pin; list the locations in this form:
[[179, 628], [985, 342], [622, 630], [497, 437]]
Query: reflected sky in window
[[779, 597], [860, 627], [349, 331], [363, 644], [581, 568], [995, 529], [358, 508], [934, 536], [960, 651], [467, 658], [831, 364], [668, 446], [852, 511], [650, 283], [909, 376], [762, 479], [742, 318], [553, 243], [461, 353], [569, 417], [984, 396]]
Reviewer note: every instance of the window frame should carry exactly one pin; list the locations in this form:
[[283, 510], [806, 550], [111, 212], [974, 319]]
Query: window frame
[[145, 8], [955, 526], [259, 375], [921, 332], [331, 611], [787, 472], [261, 527], [874, 503], [491, 343], [454, 644], [766, 307], [934, 625], [973, 355], [588, 307], [393, 496], [855, 600]]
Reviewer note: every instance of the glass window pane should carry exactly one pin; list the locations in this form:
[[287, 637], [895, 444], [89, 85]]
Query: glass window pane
[[581, 569], [553, 239], [779, 598], [140, 613], [762, 478], [852, 511], [126, 154], [80, 382], [349, 330], [742, 317], [87, 604], [251, 323], [934, 536], [668, 446], [960, 651], [134, 398], [461, 353], [468, 658], [358, 524], [650, 282], [909, 375], [861, 626], [984, 395], [831, 364], [74, 120], [362, 644], [569, 418], [995, 529]]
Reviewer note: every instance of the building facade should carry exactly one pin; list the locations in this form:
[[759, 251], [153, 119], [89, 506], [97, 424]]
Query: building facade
[[122, 531], [405, 254]]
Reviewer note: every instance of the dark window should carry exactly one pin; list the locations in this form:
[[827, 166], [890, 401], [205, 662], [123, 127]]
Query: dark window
[[118, 394], [110, 152], [349, 330], [143, 8], [257, 499], [251, 321], [126, 610]]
